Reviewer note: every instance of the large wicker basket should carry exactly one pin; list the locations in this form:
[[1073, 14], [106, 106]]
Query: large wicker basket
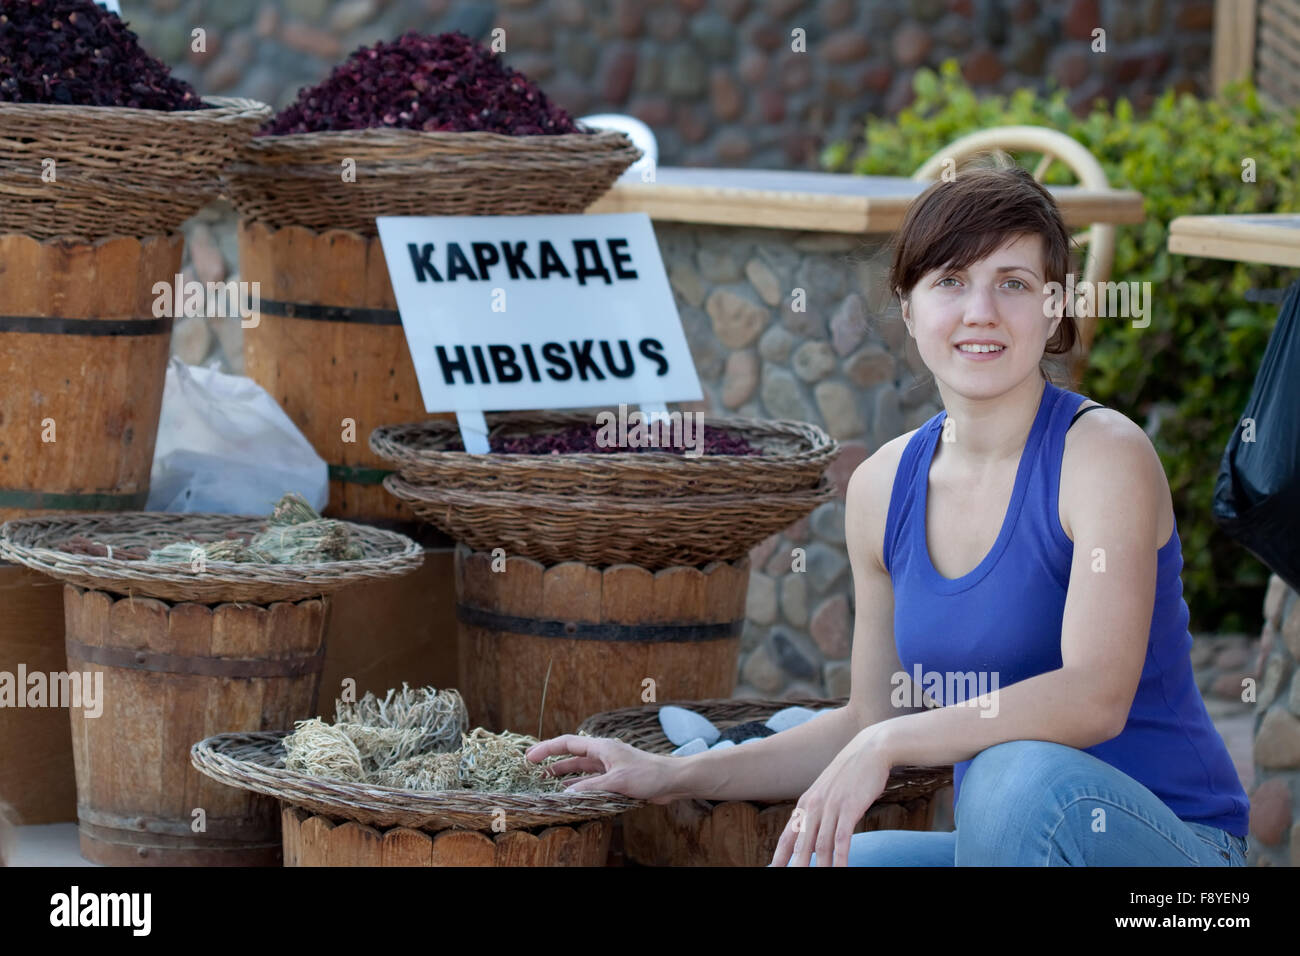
[[298, 179], [794, 457], [607, 529], [117, 171], [255, 761], [35, 541], [742, 832]]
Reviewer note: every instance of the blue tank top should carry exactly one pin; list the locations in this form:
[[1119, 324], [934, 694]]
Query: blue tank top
[[1011, 608]]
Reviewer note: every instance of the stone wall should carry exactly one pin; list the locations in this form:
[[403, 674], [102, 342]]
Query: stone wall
[[1275, 801], [717, 80], [799, 326]]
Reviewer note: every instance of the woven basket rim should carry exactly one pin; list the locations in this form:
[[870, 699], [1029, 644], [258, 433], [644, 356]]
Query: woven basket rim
[[223, 107], [166, 237], [420, 490], [398, 435], [400, 555], [395, 136], [560, 807]]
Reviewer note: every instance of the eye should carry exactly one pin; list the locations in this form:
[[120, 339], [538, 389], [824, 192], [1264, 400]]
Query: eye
[[1019, 284], [946, 279]]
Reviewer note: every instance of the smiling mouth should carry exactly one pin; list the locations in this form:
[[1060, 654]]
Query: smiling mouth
[[980, 349]]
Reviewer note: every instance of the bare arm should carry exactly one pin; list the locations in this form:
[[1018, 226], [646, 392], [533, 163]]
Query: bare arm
[[783, 766], [1114, 494]]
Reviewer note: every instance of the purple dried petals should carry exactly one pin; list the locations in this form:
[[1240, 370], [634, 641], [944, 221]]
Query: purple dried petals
[[436, 83], [583, 439], [76, 53]]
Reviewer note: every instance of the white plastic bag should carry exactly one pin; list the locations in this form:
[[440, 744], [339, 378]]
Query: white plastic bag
[[225, 446]]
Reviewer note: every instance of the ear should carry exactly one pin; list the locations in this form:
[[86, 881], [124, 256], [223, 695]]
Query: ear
[[1056, 323], [907, 314]]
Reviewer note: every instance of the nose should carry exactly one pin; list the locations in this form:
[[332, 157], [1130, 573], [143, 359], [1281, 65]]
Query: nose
[[980, 306]]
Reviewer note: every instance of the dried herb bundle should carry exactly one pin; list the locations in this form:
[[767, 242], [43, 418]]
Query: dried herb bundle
[[74, 52], [295, 534], [416, 740]]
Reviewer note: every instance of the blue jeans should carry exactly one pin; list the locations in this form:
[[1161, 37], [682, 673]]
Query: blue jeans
[[1035, 803]]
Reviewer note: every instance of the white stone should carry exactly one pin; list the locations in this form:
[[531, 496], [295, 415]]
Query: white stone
[[681, 725], [696, 746], [752, 740], [790, 717], [723, 745]]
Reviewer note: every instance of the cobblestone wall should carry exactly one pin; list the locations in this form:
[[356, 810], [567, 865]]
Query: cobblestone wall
[[717, 80], [1275, 801]]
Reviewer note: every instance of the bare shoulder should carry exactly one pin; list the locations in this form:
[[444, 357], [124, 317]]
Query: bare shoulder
[[1108, 454], [866, 500]]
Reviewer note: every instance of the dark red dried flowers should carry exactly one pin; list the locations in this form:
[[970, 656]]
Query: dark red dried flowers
[[582, 439], [444, 82], [76, 53]]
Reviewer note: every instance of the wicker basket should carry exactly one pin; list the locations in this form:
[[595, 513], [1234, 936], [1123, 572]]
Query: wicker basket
[[610, 530], [255, 761], [640, 727], [795, 455], [119, 171], [698, 832], [295, 180], [33, 541]]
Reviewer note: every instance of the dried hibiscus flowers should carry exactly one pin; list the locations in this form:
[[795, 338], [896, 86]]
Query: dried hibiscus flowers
[[445, 82], [585, 439], [76, 53]]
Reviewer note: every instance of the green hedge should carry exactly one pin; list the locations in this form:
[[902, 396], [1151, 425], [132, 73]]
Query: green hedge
[[1196, 361]]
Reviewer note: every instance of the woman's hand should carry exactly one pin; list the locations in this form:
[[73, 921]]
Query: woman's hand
[[619, 767], [824, 817]]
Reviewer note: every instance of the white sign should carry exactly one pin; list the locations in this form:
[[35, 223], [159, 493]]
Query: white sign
[[112, 6], [526, 312]]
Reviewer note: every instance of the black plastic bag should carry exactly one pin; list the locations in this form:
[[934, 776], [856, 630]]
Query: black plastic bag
[[1257, 494]]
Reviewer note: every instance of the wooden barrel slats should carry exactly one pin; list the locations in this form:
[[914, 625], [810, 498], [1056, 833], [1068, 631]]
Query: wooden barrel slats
[[80, 346], [36, 775], [329, 347], [311, 840], [601, 632], [174, 674], [737, 832]]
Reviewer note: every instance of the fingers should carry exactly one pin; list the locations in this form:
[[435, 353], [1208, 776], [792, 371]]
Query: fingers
[[591, 783], [807, 833], [567, 744], [795, 846], [843, 839], [575, 765], [784, 847]]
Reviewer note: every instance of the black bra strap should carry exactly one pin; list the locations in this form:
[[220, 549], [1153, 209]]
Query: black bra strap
[[1081, 412]]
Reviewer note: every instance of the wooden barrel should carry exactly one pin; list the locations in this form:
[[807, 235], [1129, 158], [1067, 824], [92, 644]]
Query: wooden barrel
[[737, 832], [174, 674], [612, 637], [36, 776], [82, 361], [380, 634], [329, 347], [318, 841]]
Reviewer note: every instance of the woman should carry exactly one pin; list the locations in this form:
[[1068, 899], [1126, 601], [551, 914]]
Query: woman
[[1033, 565]]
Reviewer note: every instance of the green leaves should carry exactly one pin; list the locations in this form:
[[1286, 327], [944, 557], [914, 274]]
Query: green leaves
[[1205, 341]]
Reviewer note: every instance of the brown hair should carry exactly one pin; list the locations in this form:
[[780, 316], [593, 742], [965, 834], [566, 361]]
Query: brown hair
[[960, 221]]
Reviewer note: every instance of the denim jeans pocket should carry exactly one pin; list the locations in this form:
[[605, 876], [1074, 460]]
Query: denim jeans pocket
[[1221, 841]]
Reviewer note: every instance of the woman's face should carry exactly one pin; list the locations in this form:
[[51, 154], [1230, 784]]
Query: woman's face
[[997, 301]]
